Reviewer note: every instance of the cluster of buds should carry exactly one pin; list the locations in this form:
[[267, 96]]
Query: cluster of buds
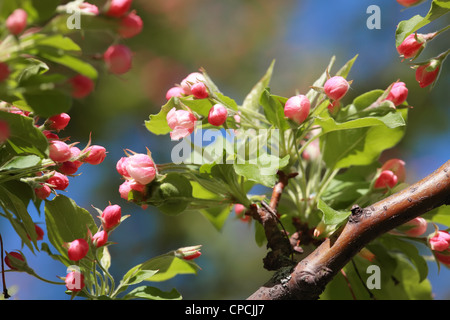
[[78, 249], [391, 173], [138, 170]]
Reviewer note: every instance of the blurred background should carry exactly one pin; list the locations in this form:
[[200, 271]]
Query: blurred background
[[235, 41]]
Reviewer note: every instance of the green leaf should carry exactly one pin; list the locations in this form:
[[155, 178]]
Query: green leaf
[[158, 122], [252, 100], [439, 215], [331, 216], [48, 101], [58, 42], [200, 106], [21, 162], [24, 138], [274, 110], [438, 8], [66, 221], [61, 57], [217, 215], [151, 293]]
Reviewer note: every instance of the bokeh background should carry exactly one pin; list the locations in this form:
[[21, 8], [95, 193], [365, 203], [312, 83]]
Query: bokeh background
[[235, 41]]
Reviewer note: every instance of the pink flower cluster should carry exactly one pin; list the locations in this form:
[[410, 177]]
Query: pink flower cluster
[[138, 170]]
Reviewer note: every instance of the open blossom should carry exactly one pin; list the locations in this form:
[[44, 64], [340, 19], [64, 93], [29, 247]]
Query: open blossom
[[17, 21], [297, 108], [392, 172], [182, 123], [336, 87], [141, 168]]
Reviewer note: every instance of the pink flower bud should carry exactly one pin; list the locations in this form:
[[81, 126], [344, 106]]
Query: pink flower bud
[[130, 25], [4, 71], [297, 108], [125, 189], [386, 179], [199, 90], [58, 122], [121, 166], [217, 115], [100, 238], [4, 131], [117, 8], [39, 233], [427, 74], [440, 241], [43, 192], [89, 8], [75, 152], [50, 135], [415, 227], [411, 46], [408, 3], [174, 92], [9, 262], [191, 80], [68, 168], [59, 181], [74, 281], [398, 93], [59, 151], [443, 257], [17, 21], [312, 151], [141, 168], [188, 253], [334, 107], [336, 87], [95, 154], [78, 249], [118, 59], [136, 186], [111, 216], [181, 122], [397, 166], [81, 85], [239, 209]]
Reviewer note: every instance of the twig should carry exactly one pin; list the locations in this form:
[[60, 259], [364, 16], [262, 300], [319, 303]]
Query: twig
[[5, 290]]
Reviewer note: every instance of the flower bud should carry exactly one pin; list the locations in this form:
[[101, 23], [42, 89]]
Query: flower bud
[[409, 3], [415, 227], [217, 115], [4, 71], [386, 179], [59, 151], [68, 168], [411, 46], [190, 80], [141, 168], [17, 21], [81, 85], [15, 260], [199, 90], [297, 108], [118, 59], [392, 172], [100, 238], [443, 257], [439, 241], [39, 233], [86, 7], [427, 74], [121, 166], [336, 87], [74, 281], [75, 152], [125, 189], [334, 107], [117, 8], [130, 25], [398, 93], [59, 181], [78, 249], [188, 253], [58, 122], [239, 209], [43, 192], [111, 216], [4, 131], [95, 154], [181, 122], [174, 92]]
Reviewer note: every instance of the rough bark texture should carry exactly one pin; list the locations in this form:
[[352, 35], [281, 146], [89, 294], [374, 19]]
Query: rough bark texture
[[307, 280]]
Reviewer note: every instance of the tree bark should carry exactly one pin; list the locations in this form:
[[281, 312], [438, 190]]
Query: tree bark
[[307, 280]]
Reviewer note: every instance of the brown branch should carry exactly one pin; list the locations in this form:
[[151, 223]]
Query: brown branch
[[307, 280]]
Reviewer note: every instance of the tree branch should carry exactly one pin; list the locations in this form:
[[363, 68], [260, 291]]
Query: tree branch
[[307, 280]]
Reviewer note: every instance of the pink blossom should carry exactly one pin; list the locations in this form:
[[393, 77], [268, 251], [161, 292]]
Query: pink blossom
[[58, 122], [4, 131], [199, 90], [440, 241], [111, 216], [121, 167], [141, 168], [297, 108], [118, 59], [130, 25], [386, 179], [95, 154], [408, 3], [398, 93], [82, 86], [100, 238], [411, 46], [59, 181], [43, 192], [4, 71], [125, 189], [415, 227], [336, 87], [117, 8], [217, 115], [59, 151], [78, 249], [190, 80], [427, 74], [74, 281], [181, 122], [174, 92], [89, 8], [17, 21]]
